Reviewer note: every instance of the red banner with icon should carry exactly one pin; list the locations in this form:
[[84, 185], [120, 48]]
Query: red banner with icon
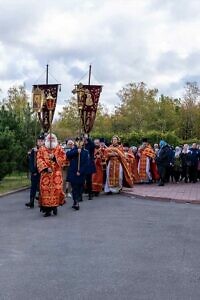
[[88, 99], [40, 93]]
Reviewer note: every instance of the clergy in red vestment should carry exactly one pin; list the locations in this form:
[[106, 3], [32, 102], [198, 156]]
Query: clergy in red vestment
[[97, 177], [117, 171], [50, 160], [132, 163], [146, 154]]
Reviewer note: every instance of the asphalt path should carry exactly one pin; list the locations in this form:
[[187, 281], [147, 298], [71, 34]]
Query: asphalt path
[[115, 247]]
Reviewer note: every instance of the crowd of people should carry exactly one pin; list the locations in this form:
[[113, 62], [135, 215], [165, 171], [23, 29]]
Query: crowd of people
[[83, 165]]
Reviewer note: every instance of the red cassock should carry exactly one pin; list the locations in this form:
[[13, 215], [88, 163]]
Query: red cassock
[[97, 177], [132, 164], [115, 162], [51, 192]]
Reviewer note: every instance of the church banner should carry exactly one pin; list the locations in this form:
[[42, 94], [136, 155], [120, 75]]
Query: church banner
[[88, 98], [39, 95]]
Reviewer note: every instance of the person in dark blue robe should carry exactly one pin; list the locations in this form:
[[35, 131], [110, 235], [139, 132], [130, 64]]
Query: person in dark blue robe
[[78, 169], [35, 176], [89, 146]]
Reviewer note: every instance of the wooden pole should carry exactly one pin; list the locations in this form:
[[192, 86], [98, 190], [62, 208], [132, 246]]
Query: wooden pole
[[79, 161], [50, 117], [90, 71], [47, 74]]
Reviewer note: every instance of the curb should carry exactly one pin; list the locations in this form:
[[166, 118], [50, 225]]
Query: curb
[[14, 191], [161, 199]]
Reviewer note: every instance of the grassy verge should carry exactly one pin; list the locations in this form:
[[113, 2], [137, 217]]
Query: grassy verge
[[13, 182]]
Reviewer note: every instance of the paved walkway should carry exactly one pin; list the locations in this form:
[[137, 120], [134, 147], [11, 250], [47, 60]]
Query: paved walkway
[[176, 192]]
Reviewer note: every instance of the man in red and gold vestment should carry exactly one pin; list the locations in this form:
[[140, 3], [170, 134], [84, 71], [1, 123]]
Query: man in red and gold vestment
[[97, 177], [50, 160], [146, 154], [132, 163], [117, 171]]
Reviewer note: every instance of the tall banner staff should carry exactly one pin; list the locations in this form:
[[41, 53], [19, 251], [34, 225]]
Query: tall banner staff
[[44, 103], [45, 99], [87, 100]]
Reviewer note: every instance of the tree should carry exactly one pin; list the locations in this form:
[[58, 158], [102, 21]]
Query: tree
[[16, 116], [69, 122], [190, 112], [136, 109], [8, 152]]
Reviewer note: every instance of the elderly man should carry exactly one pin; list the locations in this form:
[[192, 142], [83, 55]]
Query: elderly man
[[50, 160]]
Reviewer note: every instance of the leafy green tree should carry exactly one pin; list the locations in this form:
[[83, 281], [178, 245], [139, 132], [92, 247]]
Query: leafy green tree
[[16, 116], [141, 112], [190, 112], [8, 152], [68, 124], [137, 104]]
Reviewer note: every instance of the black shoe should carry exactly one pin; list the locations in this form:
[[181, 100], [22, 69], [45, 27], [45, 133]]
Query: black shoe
[[109, 193], [161, 184], [55, 211], [76, 206], [47, 214], [149, 182], [29, 204]]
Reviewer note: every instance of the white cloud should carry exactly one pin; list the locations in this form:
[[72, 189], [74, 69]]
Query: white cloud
[[153, 41]]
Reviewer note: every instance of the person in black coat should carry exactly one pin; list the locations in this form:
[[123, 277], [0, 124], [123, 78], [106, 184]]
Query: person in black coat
[[185, 163], [78, 169], [163, 161], [89, 145], [194, 156], [35, 176]]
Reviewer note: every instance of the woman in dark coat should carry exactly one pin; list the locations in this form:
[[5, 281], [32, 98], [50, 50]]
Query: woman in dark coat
[[163, 161]]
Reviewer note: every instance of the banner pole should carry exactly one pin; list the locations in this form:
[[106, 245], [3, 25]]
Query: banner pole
[[47, 74], [90, 71]]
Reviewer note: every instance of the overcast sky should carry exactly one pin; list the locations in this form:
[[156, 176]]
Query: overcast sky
[[154, 41]]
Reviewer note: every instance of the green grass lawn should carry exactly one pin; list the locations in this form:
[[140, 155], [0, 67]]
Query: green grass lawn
[[13, 182]]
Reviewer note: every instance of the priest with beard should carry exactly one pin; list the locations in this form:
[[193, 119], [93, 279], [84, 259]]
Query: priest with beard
[[117, 171], [50, 160]]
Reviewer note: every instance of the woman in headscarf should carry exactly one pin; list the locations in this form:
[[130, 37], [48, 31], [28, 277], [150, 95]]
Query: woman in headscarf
[[185, 162], [163, 161], [177, 164]]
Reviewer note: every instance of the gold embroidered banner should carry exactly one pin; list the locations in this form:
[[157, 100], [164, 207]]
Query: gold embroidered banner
[[40, 93], [88, 98]]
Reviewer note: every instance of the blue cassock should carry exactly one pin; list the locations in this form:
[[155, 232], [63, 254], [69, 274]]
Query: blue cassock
[[32, 161], [89, 146], [72, 155]]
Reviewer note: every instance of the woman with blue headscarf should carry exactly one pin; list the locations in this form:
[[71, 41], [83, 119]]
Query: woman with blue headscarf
[[163, 161]]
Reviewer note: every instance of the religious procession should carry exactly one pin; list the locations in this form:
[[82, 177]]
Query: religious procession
[[81, 165]]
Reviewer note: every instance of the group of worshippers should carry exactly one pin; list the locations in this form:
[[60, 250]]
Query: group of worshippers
[[163, 163], [84, 165]]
